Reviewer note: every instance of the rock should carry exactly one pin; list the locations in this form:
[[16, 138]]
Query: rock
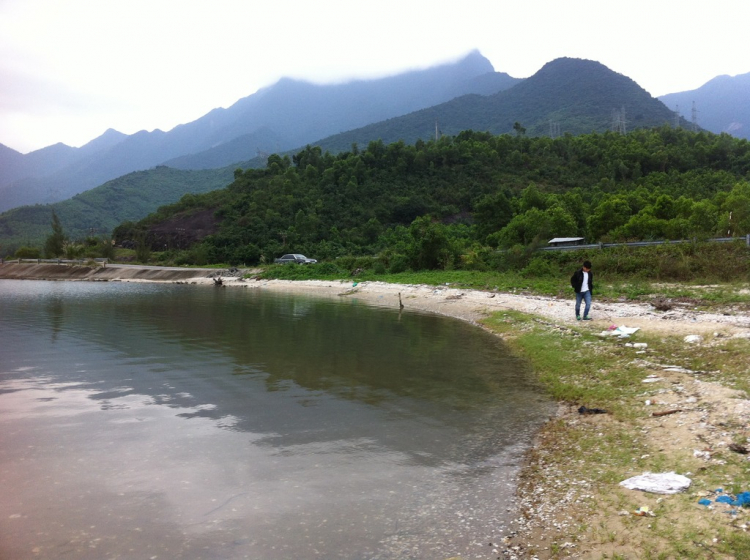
[[693, 339]]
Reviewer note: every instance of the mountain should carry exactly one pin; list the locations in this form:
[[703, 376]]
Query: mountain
[[23, 177], [233, 151], [721, 104], [15, 166], [566, 95], [11, 162], [97, 211], [280, 117]]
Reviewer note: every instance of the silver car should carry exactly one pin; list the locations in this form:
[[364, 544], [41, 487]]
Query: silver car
[[294, 258]]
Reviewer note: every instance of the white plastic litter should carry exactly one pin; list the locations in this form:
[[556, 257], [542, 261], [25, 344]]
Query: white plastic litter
[[621, 331], [658, 483]]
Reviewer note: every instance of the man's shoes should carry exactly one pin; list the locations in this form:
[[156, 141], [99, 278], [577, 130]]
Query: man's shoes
[[587, 318], [578, 317]]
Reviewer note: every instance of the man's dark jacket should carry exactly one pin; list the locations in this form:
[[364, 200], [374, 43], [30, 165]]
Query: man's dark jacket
[[577, 280]]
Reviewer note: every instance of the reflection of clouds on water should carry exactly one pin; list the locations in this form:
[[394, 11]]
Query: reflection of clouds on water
[[188, 417]]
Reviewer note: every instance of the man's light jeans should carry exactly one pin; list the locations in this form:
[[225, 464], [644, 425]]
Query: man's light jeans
[[585, 296]]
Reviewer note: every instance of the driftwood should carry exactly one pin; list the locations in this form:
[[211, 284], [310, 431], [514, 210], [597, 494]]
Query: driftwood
[[666, 412]]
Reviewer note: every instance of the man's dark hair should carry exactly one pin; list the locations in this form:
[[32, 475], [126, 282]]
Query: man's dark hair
[[586, 264]]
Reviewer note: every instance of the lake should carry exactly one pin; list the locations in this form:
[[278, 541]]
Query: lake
[[188, 422]]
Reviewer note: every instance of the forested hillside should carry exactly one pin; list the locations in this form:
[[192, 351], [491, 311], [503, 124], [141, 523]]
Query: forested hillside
[[97, 211], [452, 202]]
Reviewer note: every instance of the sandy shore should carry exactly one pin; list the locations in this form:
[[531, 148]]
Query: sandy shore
[[468, 305]]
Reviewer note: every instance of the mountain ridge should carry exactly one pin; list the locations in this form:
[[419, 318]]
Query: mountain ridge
[[580, 93], [722, 104], [296, 112]]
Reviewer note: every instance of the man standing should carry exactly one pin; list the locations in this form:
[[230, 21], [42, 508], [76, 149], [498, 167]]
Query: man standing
[[583, 284]]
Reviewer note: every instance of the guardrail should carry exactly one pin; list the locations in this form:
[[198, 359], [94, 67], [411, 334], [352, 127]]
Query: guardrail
[[641, 244], [103, 262]]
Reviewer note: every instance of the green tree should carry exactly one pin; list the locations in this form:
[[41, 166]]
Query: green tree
[[492, 213], [704, 219], [53, 246], [142, 248], [430, 247], [736, 216], [613, 212]]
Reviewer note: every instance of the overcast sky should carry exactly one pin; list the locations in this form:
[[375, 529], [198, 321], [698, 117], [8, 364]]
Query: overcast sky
[[70, 69]]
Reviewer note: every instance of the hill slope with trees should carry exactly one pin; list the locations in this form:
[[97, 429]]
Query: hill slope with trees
[[97, 211], [451, 203]]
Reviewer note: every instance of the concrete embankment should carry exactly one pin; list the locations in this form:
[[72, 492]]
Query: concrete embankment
[[30, 271]]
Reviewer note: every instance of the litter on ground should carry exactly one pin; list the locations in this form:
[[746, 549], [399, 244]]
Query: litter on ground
[[644, 511], [658, 483], [621, 331], [742, 499]]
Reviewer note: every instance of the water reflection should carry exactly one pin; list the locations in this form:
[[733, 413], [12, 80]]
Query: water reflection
[[297, 424]]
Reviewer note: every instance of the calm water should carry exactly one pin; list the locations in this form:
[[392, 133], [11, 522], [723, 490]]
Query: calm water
[[185, 422]]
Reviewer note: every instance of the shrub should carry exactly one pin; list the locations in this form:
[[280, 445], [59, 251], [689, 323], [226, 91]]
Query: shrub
[[28, 253], [540, 267], [399, 263]]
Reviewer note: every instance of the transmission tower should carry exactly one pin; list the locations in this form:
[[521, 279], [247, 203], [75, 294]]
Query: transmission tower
[[618, 121], [554, 129], [677, 116], [694, 118]]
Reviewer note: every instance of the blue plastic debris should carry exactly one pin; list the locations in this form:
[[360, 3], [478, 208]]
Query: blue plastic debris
[[704, 502], [743, 499]]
